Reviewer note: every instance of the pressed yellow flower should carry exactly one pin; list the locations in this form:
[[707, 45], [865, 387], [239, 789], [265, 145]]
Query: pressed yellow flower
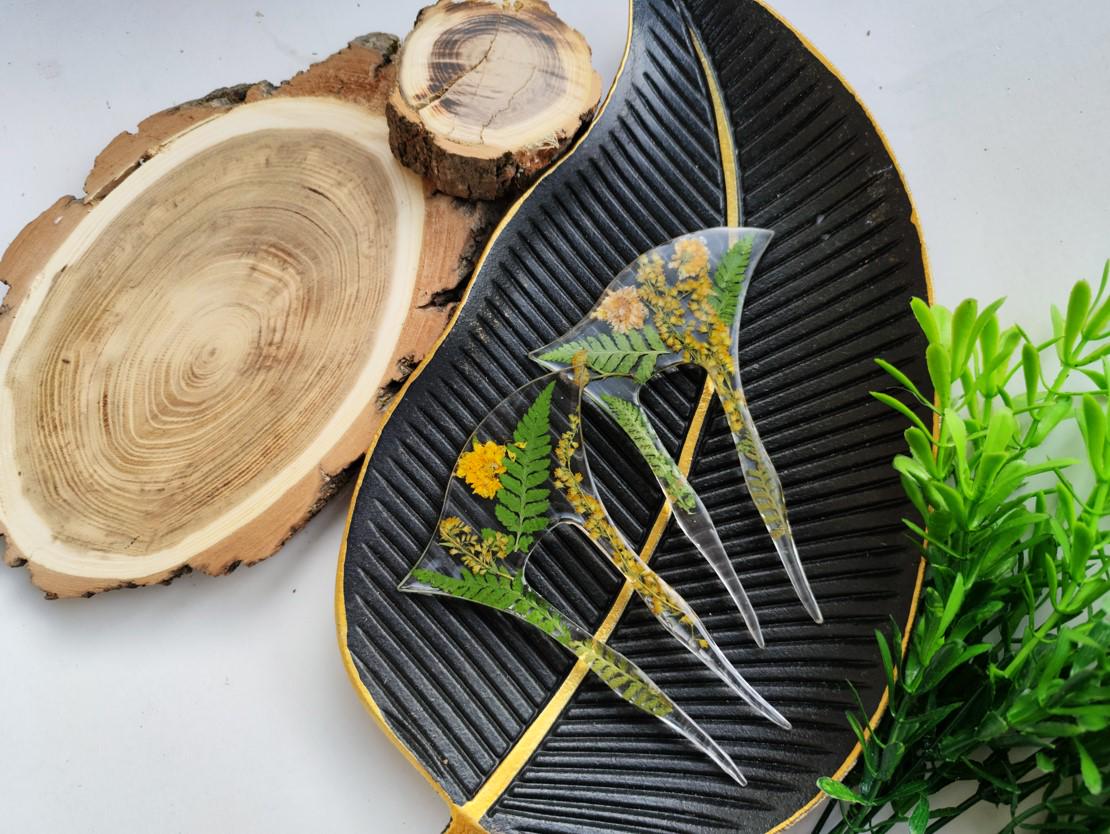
[[690, 256], [649, 271], [482, 468], [623, 310]]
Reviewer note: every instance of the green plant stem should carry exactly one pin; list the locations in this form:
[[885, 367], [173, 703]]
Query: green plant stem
[[1053, 620], [948, 814], [1052, 393]]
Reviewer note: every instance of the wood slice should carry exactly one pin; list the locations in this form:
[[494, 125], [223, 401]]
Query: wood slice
[[489, 94], [193, 355]]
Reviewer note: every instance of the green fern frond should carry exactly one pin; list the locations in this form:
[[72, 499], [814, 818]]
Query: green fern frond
[[635, 352], [623, 678], [493, 589], [503, 593], [764, 490], [632, 419], [522, 501], [728, 280]]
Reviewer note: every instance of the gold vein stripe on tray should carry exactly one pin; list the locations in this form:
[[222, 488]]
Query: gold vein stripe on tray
[[466, 819]]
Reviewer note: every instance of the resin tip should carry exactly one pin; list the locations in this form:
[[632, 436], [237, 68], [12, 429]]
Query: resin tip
[[757, 636], [732, 770], [813, 610]]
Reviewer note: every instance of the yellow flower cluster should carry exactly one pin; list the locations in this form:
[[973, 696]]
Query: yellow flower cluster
[[688, 324], [598, 527], [478, 553], [685, 317], [691, 257], [482, 468]]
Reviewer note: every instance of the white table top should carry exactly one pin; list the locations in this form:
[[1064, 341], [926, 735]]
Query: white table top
[[221, 705]]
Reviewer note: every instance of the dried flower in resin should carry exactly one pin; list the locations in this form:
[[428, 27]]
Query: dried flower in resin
[[482, 468], [622, 310]]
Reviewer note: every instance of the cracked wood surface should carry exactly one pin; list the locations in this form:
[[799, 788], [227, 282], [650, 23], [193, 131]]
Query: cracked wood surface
[[489, 94], [194, 354]]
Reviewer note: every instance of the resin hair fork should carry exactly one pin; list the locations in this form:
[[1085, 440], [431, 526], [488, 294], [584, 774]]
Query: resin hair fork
[[680, 303], [522, 473]]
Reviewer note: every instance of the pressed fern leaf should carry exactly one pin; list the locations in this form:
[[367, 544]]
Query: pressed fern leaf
[[762, 487], [522, 501], [503, 593], [624, 679], [728, 280], [635, 352], [492, 589], [509, 593], [633, 421]]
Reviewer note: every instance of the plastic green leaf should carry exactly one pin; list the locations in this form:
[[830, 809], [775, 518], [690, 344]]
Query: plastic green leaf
[[1045, 763], [911, 468], [963, 325], [840, 791], [1096, 323], [900, 407], [890, 759], [954, 427], [1031, 370], [1048, 419], [901, 378], [988, 337], [955, 600], [1000, 430], [887, 658], [1082, 545], [1093, 423], [940, 367], [925, 320], [919, 819], [1092, 777], [921, 444], [1079, 302]]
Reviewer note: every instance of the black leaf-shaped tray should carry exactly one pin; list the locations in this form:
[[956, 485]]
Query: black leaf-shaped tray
[[719, 114]]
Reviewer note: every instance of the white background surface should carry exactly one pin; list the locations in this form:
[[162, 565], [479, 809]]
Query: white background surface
[[220, 705]]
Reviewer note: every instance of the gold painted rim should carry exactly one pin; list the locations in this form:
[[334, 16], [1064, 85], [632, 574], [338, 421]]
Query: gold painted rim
[[466, 818]]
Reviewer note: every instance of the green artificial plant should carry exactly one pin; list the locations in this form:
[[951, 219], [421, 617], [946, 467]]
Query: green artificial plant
[[1004, 686]]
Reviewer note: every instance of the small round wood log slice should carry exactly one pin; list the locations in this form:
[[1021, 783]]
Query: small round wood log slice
[[489, 94], [193, 355]]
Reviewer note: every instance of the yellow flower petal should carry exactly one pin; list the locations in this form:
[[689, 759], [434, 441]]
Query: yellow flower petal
[[482, 468]]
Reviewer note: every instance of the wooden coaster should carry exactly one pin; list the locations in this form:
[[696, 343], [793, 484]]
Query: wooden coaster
[[193, 354], [488, 94]]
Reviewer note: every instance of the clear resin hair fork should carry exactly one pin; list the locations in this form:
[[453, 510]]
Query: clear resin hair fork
[[523, 472], [681, 303]]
